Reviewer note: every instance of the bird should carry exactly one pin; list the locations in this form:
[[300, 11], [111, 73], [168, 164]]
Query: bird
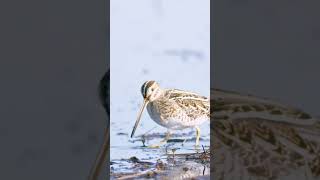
[[173, 109], [259, 138]]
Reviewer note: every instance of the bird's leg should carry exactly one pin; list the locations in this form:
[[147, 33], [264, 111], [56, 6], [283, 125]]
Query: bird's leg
[[162, 142], [184, 141], [197, 136]]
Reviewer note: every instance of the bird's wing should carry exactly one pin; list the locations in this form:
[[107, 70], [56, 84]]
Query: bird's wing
[[258, 138], [193, 103]]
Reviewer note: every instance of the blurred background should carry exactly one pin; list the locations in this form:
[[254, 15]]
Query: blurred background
[[268, 49]]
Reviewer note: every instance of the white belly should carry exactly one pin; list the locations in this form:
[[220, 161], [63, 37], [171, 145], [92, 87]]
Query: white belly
[[175, 122]]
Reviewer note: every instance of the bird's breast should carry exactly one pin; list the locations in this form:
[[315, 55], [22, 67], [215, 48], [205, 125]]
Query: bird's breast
[[163, 112], [158, 112]]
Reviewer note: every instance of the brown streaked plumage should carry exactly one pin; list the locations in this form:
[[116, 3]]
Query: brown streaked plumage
[[256, 138], [173, 109]]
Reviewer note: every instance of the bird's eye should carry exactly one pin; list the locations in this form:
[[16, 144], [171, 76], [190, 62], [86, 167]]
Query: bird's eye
[[152, 89]]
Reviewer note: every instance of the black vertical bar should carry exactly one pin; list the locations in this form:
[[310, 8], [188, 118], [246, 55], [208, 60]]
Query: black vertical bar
[[101, 166], [268, 50], [52, 57]]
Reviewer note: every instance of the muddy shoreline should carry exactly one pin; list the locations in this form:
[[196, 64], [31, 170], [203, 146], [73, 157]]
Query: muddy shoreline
[[173, 165]]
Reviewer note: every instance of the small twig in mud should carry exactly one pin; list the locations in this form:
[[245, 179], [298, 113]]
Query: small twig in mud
[[205, 155], [173, 151], [143, 140]]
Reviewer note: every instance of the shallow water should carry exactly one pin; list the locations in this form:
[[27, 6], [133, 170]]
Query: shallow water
[[123, 153]]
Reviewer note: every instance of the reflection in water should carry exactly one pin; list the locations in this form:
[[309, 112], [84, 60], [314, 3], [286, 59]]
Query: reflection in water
[[255, 138]]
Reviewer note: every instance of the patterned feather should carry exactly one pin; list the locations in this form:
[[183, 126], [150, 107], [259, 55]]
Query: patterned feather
[[193, 103], [178, 109], [256, 138]]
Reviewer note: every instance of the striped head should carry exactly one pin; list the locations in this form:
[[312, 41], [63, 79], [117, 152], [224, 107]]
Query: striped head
[[151, 90]]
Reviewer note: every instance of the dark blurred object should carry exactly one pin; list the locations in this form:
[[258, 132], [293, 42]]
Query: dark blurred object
[[104, 89], [101, 162]]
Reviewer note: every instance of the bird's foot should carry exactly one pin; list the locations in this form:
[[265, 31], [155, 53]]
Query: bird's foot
[[184, 141], [154, 146], [197, 137], [164, 141]]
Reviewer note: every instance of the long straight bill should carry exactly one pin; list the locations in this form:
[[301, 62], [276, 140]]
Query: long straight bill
[[145, 102]]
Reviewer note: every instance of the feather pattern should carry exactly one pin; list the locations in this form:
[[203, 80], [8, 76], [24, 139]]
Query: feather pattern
[[261, 139], [177, 109]]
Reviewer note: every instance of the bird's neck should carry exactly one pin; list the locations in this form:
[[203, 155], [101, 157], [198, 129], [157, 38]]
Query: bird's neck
[[158, 94]]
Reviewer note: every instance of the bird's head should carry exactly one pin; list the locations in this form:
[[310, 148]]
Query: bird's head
[[150, 91]]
